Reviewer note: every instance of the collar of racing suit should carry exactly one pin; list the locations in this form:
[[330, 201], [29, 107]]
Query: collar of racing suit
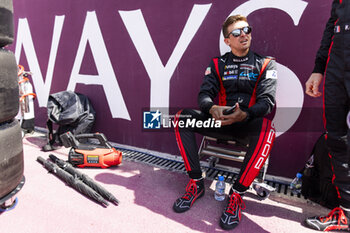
[[241, 59]]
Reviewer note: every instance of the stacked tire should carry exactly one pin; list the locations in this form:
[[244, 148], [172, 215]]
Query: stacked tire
[[11, 147]]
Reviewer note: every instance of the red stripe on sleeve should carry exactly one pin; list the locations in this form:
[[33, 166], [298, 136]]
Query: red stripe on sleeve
[[222, 92], [253, 98]]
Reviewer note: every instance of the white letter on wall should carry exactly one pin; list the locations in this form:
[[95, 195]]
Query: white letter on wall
[[106, 76], [159, 74], [24, 38]]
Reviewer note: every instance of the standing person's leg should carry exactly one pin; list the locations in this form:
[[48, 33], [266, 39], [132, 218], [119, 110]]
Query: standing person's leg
[[336, 107], [345, 188], [261, 136]]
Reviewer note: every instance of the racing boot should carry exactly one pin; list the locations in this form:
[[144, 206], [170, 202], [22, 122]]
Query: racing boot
[[336, 220], [194, 190], [232, 213]]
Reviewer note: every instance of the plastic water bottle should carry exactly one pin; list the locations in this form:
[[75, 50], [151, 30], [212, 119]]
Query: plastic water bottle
[[220, 189], [295, 185]]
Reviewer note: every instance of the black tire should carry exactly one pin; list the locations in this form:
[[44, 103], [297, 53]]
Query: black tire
[[9, 92], [6, 22], [11, 156]]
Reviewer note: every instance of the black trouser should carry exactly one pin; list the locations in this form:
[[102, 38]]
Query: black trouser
[[258, 131], [336, 108]]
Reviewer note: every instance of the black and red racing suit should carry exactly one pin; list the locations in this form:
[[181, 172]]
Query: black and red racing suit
[[251, 81], [333, 60]]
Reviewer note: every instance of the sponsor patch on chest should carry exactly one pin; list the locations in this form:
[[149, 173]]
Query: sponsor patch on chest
[[229, 77], [247, 75]]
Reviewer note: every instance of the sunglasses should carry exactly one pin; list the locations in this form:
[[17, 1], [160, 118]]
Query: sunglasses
[[237, 32]]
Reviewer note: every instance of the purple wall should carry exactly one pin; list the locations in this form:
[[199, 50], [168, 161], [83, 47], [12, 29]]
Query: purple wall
[[126, 66]]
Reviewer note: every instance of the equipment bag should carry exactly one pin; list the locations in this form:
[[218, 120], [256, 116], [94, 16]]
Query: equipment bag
[[71, 112], [317, 176]]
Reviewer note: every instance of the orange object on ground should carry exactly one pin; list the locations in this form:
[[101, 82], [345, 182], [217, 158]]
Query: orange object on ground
[[101, 155]]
